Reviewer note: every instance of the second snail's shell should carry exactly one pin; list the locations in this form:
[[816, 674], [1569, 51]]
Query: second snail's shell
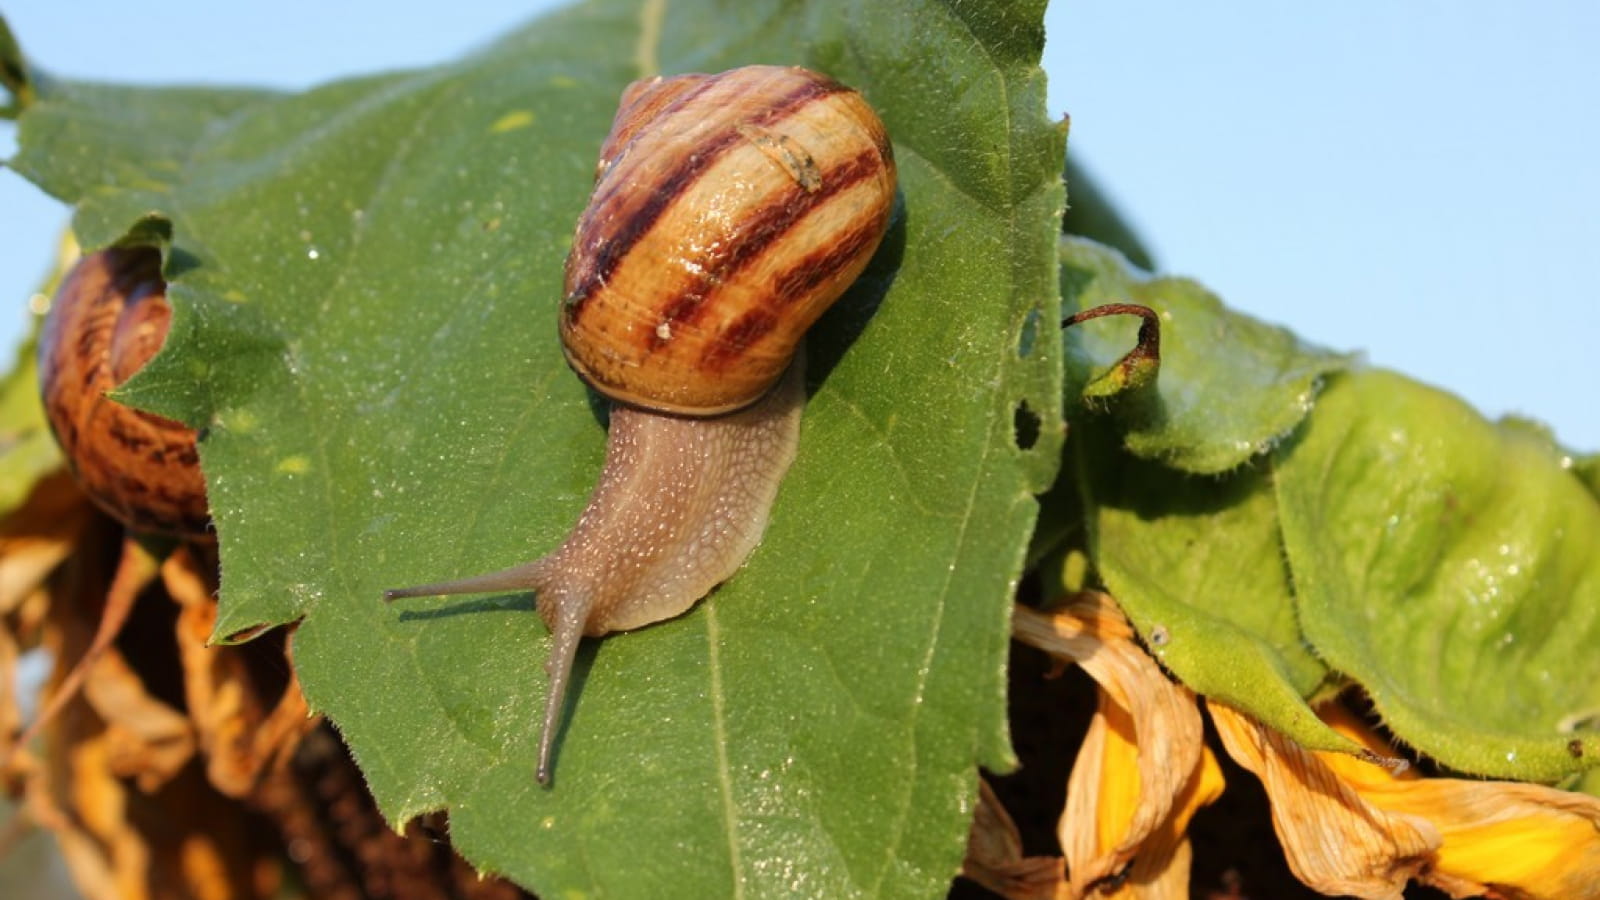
[[729, 211], [108, 319]]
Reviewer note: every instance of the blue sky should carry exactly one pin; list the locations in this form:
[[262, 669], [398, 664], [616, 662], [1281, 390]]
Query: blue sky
[[1418, 180]]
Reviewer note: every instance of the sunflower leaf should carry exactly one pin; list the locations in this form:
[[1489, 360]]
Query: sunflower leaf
[[1230, 386], [365, 279], [1197, 565], [1444, 562]]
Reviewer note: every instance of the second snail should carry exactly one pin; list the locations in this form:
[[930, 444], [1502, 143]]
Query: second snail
[[729, 212]]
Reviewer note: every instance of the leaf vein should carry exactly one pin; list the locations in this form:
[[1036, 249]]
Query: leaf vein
[[730, 810]]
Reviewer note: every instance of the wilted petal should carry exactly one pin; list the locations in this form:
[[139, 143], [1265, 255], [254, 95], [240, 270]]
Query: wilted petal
[[120, 840], [1160, 871], [147, 740], [1141, 771], [38, 535], [1335, 841], [135, 570], [1520, 840], [994, 855], [243, 725]]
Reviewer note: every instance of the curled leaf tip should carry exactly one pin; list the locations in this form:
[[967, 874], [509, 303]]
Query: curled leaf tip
[[1138, 367]]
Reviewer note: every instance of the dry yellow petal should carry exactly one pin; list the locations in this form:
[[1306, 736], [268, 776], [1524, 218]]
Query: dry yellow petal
[[1141, 770], [1522, 840], [994, 855], [1161, 869], [1102, 795], [1335, 841]]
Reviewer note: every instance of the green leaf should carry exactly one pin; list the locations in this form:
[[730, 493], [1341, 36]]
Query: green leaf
[[1194, 560], [27, 449], [1587, 470], [1585, 467], [118, 152], [365, 282], [1447, 565], [1090, 214], [1230, 386], [1588, 783], [1197, 565]]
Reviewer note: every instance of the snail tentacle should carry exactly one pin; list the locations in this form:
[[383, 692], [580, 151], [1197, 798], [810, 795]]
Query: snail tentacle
[[565, 635]]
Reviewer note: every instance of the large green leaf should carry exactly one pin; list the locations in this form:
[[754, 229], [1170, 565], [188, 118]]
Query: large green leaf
[[1447, 565], [1195, 560], [1197, 565], [1587, 469], [1230, 385], [365, 280]]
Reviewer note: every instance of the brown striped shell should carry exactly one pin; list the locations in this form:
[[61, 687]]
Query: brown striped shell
[[108, 319], [729, 211]]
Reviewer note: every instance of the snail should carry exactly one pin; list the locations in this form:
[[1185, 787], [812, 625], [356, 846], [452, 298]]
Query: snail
[[728, 212], [107, 320]]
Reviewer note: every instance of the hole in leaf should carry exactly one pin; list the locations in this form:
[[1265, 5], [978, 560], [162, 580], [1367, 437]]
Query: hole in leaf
[[1025, 426]]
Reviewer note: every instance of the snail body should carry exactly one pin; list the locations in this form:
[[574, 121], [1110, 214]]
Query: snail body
[[729, 211], [107, 320]]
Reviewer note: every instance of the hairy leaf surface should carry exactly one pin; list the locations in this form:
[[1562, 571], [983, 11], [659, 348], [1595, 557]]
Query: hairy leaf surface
[[1446, 564], [365, 279], [1230, 385]]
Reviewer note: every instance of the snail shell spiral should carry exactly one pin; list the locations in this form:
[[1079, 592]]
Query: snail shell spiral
[[729, 211], [108, 319]]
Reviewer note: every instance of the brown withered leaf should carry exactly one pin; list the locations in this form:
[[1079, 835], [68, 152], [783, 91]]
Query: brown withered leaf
[[34, 539], [246, 714], [146, 740], [37, 536], [181, 769], [84, 652], [165, 832], [342, 845]]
